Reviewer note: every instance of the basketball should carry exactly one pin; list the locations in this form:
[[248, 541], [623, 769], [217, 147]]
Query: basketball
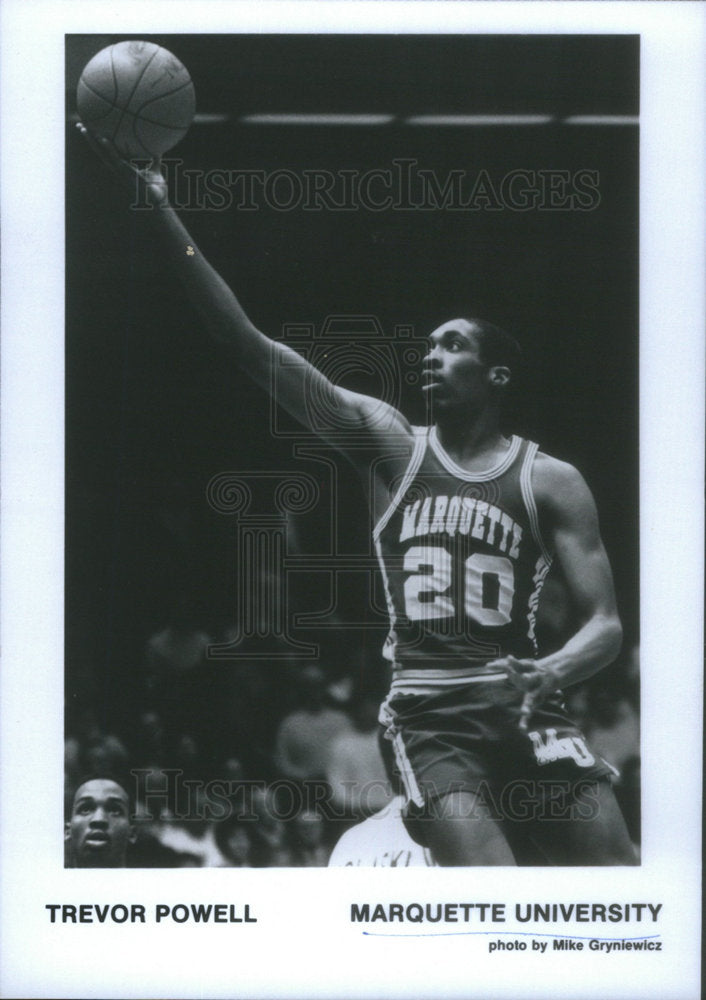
[[139, 96]]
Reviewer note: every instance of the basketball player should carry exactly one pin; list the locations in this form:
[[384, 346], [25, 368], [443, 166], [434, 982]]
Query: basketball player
[[100, 830], [467, 523]]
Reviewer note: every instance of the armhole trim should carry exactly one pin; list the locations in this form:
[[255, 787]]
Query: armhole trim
[[528, 497], [420, 443]]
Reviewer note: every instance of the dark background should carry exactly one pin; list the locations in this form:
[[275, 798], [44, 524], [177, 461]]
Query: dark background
[[154, 411]]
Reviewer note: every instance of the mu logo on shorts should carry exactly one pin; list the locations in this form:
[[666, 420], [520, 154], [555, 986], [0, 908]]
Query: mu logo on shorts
[[552, 748]]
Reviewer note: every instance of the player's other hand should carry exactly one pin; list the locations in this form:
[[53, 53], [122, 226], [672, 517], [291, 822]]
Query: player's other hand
[[530, 677], [148, 185]]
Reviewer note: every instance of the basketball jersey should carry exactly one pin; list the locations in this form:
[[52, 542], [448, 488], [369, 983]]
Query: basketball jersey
[[463, 563]]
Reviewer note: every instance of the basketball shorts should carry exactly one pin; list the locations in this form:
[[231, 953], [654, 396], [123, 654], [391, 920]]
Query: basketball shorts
[[467, 737]]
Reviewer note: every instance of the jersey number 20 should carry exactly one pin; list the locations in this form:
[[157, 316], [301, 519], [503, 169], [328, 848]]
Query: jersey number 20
[[489, 586]]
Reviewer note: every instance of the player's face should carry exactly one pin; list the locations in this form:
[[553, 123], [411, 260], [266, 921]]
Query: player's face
[[100, 829], [453, 374]]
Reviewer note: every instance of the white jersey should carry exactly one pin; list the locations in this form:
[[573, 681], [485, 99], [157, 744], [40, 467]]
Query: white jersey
[[381, 841]]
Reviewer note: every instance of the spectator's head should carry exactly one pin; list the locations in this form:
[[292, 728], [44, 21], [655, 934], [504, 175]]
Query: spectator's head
[[151, 726], [233, 769], [99, 829], [269, 833], [72, 758], [187, 750], [308, 829], [312, 687], [233, 840], [364, 713], [198, 813], [104, 754]]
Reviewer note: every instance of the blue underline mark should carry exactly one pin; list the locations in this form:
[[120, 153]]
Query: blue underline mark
[[571, 937]]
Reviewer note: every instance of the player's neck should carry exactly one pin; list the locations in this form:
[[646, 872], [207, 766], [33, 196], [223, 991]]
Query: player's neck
[[474, 442]]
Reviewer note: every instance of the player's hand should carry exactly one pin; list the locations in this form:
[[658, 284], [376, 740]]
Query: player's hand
[[528, 676], [148, 185]]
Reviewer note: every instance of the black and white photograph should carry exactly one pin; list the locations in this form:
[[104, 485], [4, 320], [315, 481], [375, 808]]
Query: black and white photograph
[[315, 559], [354, 555]]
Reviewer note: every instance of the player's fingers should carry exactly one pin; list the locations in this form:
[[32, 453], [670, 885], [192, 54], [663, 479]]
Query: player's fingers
[[523, 682], [102, 147], [509, 666], [520, 673], [539, 686], [520, 666], [526, 710], [89, 138]]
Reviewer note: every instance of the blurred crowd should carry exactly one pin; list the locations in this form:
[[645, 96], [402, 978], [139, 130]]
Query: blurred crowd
[[235, 763], [256, 763]]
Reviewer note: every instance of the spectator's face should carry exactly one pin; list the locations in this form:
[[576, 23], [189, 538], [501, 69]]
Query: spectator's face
[[238, 846], [151, 725], [100, 829], [97, 757], [309, 827], [312, 687]]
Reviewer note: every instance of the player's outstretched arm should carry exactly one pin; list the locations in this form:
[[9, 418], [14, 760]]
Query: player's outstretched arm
[[297, 382], [568, 510]]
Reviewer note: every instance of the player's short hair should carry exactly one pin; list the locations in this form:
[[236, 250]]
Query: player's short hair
[[497, 347], [118, 779]]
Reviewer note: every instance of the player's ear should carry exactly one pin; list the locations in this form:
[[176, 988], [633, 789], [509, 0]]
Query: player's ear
[[132, 835], [499, 375], [67, 832]]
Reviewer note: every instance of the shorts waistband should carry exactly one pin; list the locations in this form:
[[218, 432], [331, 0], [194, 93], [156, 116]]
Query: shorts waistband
[[411, 680]]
